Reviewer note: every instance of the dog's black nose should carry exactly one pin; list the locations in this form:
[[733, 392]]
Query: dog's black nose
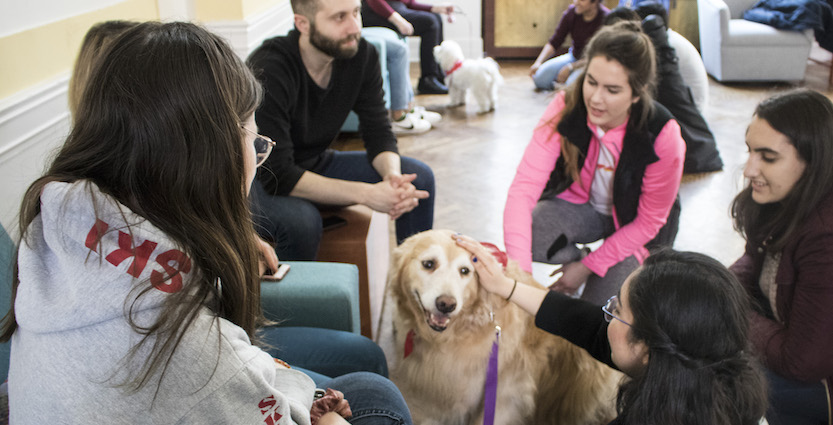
[[446, 304]]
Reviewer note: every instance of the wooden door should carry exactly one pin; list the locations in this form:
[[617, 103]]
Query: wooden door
[[520, 28]]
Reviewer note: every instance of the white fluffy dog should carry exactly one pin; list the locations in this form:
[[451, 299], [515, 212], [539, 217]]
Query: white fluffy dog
[[481, 76]]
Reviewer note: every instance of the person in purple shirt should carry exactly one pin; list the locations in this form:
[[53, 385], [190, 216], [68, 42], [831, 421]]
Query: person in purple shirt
[[580, 21]]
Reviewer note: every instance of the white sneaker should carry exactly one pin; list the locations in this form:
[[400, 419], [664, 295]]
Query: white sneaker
[[410, 124], [429, 116]]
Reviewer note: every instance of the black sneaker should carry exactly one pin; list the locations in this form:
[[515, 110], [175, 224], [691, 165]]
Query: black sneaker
[[430, 85]]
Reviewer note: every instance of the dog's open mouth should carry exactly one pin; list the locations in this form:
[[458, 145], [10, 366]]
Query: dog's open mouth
[[436, 320]]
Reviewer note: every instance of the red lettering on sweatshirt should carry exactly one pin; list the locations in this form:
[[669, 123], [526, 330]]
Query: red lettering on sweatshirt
[[140, 254], [174, 281], [173, 262], [268, 406], [95, 234]]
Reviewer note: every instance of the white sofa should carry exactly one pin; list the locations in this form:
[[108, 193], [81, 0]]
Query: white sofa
[[735, 49]]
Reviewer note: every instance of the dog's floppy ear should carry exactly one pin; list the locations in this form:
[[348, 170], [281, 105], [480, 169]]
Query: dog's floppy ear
[[397, 265]]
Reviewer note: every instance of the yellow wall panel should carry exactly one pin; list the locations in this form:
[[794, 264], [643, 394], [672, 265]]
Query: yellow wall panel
[[33, 56], [218, 10], [253, 7]]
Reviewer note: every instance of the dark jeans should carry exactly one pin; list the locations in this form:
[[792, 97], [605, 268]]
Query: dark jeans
[[358, 364], [796, 403], [427, 25], [294, 224]]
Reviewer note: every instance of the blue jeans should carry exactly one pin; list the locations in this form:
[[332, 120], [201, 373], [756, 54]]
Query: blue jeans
[[427, 25], [795, 403], [294, 224], [374, 399], [358, 364], [324, 352], [548, 71], [398, 66]]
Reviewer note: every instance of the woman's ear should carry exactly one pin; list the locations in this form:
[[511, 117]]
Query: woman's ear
[[634, 100]]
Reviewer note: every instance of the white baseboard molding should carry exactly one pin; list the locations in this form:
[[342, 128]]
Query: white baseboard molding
[[33, 123]]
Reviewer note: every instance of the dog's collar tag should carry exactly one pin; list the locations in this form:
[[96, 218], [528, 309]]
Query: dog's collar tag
[[456, 66], [409, 344]]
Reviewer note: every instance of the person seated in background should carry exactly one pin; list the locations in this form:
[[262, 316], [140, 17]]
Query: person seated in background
[[406, 117], [604, 162], [96, 40], [785, 213], [678, 328], [313, 77], [580, 21], [673, 93], [409, 17], [139, 264]]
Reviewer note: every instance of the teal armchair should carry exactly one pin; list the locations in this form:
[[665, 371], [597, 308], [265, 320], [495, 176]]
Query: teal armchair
[[314, 294]]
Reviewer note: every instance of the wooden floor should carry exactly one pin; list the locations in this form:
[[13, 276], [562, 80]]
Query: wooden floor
[[474, 157]]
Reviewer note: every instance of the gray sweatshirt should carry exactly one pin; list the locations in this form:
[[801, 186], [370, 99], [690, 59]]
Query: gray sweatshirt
[[68, 354]]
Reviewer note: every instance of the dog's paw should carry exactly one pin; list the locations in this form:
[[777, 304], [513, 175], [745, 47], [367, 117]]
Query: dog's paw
[[455, 105]]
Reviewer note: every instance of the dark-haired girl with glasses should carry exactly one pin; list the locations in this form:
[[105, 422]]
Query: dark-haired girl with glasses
[[786, 215], [678, 328]]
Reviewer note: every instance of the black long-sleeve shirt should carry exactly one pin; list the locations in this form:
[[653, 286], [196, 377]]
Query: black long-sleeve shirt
[[303, 119]]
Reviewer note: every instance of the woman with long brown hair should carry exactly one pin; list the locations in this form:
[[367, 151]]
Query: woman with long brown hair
[[786, 215], [605, 162], [137, 292]]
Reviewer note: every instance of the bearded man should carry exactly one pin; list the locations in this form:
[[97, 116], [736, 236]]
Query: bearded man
[[312, 78]]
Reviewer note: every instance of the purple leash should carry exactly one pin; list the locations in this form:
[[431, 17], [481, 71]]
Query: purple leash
[[490, 394]]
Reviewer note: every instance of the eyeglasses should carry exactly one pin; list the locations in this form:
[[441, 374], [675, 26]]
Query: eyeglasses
[[263, 146], [612, 305]]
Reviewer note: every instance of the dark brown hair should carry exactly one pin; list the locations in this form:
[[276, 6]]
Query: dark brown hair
[[625, 43], [159, 129], [692, 315], [96, 41], [805, 117]]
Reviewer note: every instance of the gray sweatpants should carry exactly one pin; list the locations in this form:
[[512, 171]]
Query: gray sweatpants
[[558, 225]]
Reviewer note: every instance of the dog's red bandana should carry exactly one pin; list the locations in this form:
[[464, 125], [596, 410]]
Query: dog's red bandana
[[499, 255], [409, 343], [456, 66]]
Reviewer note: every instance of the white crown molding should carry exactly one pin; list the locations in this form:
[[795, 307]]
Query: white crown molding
[[33, 123], [246, 35], [27, 116]]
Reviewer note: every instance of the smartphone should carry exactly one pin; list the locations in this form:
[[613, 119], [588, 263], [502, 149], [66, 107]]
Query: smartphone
[[283, 269], [332, 222]]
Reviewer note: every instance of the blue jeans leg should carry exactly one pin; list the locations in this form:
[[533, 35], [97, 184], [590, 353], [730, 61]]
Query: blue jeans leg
[[374, 400], [401, 92], [548, 71], [795, 403], [325, 351], [354, 166], [292, 224]]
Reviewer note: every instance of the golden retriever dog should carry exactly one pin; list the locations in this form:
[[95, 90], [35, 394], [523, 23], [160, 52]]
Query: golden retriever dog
[[443, 331]]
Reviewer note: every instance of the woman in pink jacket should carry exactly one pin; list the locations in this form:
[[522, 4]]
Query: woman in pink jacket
[[605, 162]]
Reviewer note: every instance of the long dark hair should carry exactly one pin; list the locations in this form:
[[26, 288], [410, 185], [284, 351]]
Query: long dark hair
[[158, 129], [96, 41], [691, 313], [625, 43], [805, 117]]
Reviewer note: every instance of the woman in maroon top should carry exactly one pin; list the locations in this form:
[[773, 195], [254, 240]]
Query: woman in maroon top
[[580, 21], [409, 17], [786, 215]]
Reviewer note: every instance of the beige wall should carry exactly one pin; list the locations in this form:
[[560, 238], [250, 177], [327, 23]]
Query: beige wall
[[42, 53]]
